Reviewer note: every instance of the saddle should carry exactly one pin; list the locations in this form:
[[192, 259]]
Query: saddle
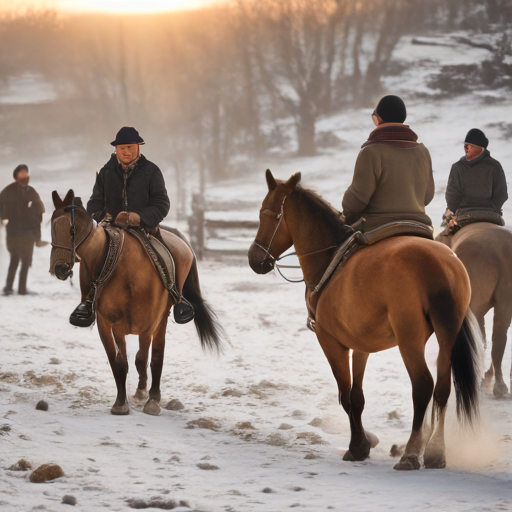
[[471, 217], [355, 242]]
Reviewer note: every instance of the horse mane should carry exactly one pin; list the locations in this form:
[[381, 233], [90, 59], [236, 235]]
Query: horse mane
[[319, 207]]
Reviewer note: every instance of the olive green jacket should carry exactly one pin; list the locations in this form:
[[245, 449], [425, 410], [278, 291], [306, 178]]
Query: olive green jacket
[[390, 184]]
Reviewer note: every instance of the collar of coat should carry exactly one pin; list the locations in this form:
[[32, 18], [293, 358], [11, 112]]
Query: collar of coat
[[484, 154], [396, 135]]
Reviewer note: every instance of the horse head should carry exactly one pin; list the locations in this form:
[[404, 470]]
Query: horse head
[[273, 237], [68, 221]]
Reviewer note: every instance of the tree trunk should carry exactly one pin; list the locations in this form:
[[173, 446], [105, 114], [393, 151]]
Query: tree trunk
[[306, 130]]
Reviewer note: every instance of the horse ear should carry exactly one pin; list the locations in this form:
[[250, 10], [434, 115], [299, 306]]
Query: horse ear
[[69, 198], [271, 182], [57, 201], [294, 180]]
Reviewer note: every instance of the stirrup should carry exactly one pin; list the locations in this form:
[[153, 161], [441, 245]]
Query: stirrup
[[183, 311], [83, 315]]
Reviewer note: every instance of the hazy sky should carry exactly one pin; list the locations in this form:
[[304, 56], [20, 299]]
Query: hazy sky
[[114, 6]]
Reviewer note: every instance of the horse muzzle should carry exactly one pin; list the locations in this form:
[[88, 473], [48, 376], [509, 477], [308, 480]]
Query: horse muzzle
[[63, 271], [259, 260]]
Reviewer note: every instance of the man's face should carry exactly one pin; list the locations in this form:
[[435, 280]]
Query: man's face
[[127, 153], [472, 151], [22, 178]]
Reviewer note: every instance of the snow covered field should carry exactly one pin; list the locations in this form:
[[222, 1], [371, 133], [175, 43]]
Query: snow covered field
[[261, 429]]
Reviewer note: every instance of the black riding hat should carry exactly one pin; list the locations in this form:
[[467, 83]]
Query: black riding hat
[[127, 135]]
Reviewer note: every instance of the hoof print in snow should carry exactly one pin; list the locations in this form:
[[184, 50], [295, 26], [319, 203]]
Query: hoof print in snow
[[311, 438], [204, 423], [45, 473], [297, 489], [157, 503], [4, 429], [174, 405], [54, 360], [316, 422], [311, 456], [268, 490], [232, 392], [298, 414], [285, 426], [68, 499], [42, 405], [207, 466], [21, 465], [393, 415], [396, 451]]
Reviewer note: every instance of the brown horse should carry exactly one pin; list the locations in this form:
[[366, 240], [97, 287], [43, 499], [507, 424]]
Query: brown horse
[[396, 292], [486, 249], [133, 301]]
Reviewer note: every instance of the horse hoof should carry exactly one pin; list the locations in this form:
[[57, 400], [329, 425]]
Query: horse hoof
[[348, 457], [374, 440], [141, 394], [152, 408], [351, 457], [121, 410], [435, 461], [408, 463], [500, 389]]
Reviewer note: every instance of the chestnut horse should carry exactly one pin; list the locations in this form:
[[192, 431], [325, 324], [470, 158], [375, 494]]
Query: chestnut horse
[[395, 292], [486, 249], [133, 301]]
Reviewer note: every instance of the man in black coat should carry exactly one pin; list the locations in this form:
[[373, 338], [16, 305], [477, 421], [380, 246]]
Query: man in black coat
[[476, 181], [22, 209], [130, 190]]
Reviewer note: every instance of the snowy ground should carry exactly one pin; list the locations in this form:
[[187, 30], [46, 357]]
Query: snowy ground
[[265, 413]]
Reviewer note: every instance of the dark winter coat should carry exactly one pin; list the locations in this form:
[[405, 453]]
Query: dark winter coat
[[145, 192], [22, 207], [477, 184]]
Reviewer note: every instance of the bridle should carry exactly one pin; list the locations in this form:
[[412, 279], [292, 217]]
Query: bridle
[[279, 218], [72, 231]]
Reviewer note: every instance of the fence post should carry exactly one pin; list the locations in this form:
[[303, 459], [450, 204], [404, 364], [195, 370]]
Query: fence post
[[196, 225]]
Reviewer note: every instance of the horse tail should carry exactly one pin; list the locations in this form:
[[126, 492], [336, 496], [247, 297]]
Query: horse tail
[[208, 328], [466, 361]]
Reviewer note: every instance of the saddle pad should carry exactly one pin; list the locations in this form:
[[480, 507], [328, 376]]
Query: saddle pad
[[165, 255]]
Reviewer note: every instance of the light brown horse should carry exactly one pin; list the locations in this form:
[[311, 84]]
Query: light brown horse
[[486, 251], [133, 301], [396, 292]]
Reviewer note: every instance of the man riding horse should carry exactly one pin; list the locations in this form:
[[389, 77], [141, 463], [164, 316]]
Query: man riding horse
[[477, 187], [130, 191], [393, 179]]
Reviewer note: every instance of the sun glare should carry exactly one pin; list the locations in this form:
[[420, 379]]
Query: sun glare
[[106, 6]]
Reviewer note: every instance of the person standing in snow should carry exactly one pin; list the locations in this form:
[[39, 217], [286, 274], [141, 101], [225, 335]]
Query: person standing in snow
[[21, 209], [477, 181], [393, 178]]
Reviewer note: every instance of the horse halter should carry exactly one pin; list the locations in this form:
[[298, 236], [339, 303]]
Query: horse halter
[[72, 231], [279, 218]]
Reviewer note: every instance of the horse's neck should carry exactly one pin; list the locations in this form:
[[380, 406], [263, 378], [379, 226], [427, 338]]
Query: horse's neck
[[93, 248], [314, 243]]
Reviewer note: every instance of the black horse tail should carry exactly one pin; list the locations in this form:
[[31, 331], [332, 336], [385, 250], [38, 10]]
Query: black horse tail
[[466, 361], [208, 328]]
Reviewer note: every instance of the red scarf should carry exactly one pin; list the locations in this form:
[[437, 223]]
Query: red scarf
[[393, 134]]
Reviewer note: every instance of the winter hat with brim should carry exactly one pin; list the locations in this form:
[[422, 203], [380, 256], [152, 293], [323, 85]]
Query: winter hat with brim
[[391, 109], [477, 138], [127, 135]]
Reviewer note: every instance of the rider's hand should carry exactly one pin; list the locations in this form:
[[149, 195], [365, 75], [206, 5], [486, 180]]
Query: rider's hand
[[128, 219]]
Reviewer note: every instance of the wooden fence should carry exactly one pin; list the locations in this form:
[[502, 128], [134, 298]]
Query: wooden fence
[[221, 228]]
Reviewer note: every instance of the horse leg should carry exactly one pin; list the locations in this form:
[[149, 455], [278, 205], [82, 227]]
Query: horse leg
[[116, 353], [152, 406], [479, 315], [502, 319], [361, 441], [422, 388], [338, 357], [141, 363], [435, 451]]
